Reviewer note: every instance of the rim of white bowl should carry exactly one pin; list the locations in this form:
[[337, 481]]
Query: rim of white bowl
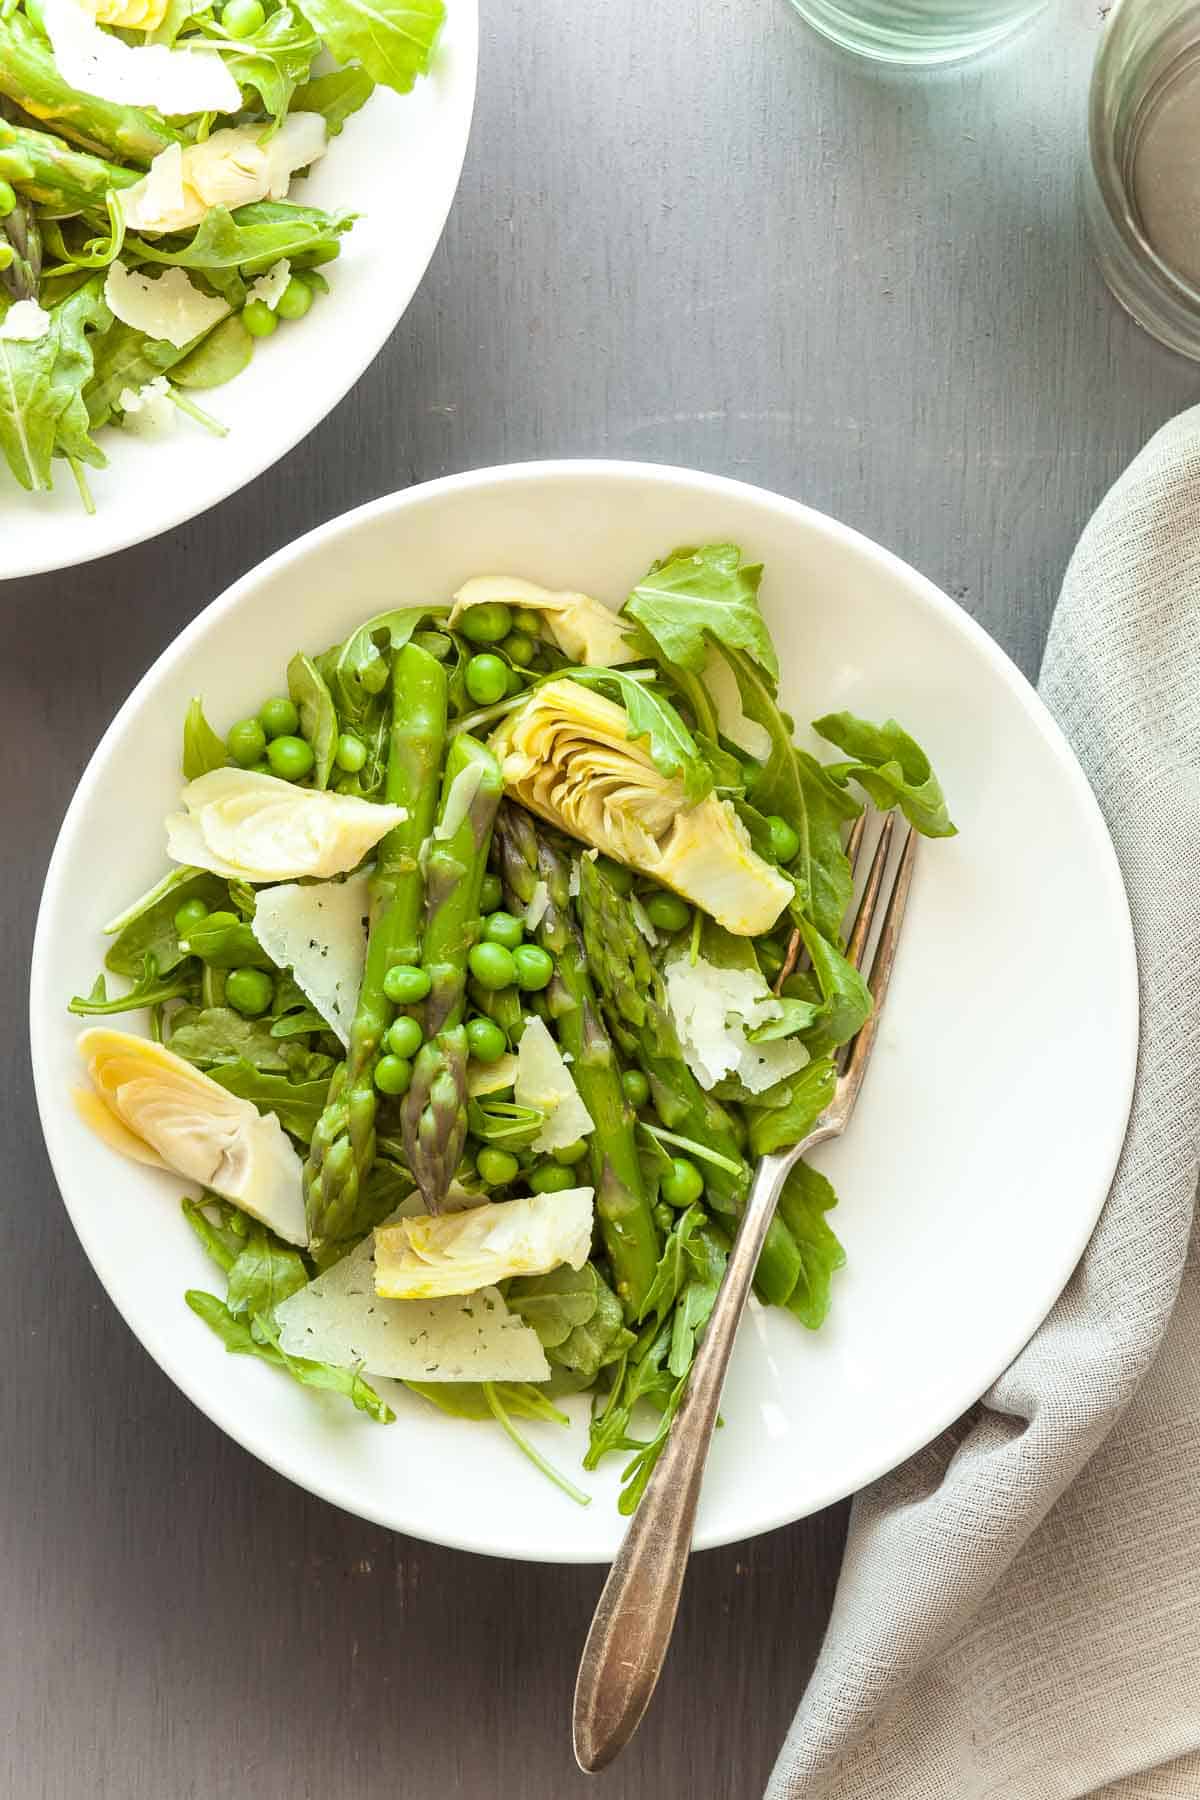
[[924, 593]]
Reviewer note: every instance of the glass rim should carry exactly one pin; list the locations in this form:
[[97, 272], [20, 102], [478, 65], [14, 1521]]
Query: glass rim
[[1111, 186]]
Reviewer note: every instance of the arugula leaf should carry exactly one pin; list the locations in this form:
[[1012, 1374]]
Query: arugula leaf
[[263, 1274], [891, 766], [694, 594], [807, 1196], [773, 786], [203, 750], [845, 996], [825, 877], [216, 359], [219, 1236], [318, 718], [576, 1315], [148, 927], [250, 239], [467, 1399], [504, 1122], [150, 989], [225, 946], [42, 410], [394, 40], [356, 671], [296, 1104], [257, 1338], [797, 1016], [673, 749], [809, 1092], [335, 96], [212, 1035], [275, 59], [125, 358]]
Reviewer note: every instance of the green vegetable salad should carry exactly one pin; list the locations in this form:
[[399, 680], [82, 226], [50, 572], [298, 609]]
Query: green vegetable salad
[[491, 956], [152, 222]]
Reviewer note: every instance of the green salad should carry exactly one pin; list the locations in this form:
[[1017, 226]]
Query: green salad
[[491, 955], [152, 218]]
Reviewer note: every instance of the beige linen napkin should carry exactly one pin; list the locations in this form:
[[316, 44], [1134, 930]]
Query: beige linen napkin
[[1018, 1616]]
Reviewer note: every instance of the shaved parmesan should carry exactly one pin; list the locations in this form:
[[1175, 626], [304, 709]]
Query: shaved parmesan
[[490, 1078], [148, 411], [319, 932], [176, 82], [168, 308], [269, 287], [230, 168], [340, 1319], [253, 827], [543, 1081], [459, 800], [538, 907], [458, 1253], [732, 722], [713, 1009], [24, 323]]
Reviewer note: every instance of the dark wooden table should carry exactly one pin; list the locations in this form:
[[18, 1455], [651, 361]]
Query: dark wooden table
[[688, 233]]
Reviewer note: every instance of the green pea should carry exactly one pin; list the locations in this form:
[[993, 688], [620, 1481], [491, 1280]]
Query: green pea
[[635, 1087], [785, 841], [404, 1038], [242, 18], [571, 1153], [519, 648], [491, 893], [486, 624], [246, 742], [8, 256], [290, 758], [189, 915], [550, 1178], [496, 1167], [683, 1185], [534, 967], [486, 679], [485, 1040], [616, 873], [502, 928], [525, 619], [393, 1074], [295, 300], [278, 717], [8, 199], [492, 966], [351, 753], [249, 991], [667, 912], [405, 984], [258, 319]]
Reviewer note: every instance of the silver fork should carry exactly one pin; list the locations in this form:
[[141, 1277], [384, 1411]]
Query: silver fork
[[631, 1630]]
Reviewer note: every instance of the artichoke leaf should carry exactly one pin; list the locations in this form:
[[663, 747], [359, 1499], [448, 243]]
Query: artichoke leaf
[[566, 755], [430, 1255], [252, 827]]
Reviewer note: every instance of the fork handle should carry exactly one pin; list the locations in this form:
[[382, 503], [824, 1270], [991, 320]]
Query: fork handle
[[631, 1630]]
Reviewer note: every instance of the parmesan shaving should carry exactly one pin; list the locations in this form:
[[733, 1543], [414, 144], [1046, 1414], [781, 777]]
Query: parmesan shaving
[[269, 287], [176, 82], [544, 1082], [713, 1009], [539, 906], [25, 322], [168, 308], [319, 932], [148, 411]]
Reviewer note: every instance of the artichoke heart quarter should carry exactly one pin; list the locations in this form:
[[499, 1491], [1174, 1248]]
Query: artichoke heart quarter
[[156, 1108], [566, 755]]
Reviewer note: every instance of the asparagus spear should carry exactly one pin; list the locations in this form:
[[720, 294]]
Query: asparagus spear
[[28, 76], [435, 1107], [62, 181], [635, 1006], [626, 1221], [19, 233], [343, 1144]]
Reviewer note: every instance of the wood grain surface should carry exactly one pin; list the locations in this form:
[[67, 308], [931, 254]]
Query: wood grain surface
[[690, 233]]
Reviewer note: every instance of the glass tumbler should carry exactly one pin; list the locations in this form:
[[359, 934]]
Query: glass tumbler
[[918, 32], [1142, 177]]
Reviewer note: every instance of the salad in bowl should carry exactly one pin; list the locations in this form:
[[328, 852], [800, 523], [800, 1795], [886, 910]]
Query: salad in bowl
[[490, 952], [155, 219]]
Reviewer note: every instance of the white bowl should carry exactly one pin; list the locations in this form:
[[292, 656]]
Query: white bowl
[[396, 163], [992, 1116]]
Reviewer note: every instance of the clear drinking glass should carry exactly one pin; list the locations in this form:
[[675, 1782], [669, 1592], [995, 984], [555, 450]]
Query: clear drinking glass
[[919, 32], [1142, 179]]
